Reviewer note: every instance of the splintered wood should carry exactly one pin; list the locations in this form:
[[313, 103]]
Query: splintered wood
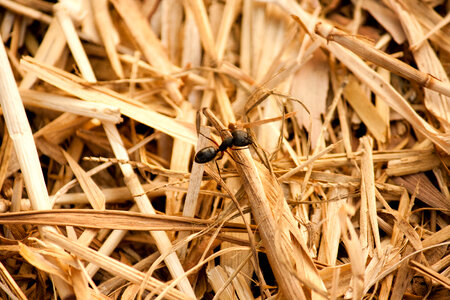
[[324, 127]]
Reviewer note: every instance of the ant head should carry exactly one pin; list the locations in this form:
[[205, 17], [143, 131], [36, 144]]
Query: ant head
[[232, 126]]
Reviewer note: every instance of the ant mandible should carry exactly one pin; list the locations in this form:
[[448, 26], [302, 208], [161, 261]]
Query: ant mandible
[[238, 138]]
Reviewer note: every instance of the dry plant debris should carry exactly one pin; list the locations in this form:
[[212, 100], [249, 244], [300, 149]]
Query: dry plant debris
[[343, 193]]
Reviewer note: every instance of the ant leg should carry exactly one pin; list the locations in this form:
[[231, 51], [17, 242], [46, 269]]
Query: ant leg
[[227, 130], [217, 166], [236, 160], [221, 130], [209, 139], [219, 187]]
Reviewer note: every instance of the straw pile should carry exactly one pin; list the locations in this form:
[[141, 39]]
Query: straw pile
[[344, 192]]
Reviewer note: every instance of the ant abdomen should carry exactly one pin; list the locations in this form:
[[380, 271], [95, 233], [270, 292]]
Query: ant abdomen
[[205, 155]]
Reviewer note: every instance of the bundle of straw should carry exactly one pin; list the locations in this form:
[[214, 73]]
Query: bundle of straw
[[321, 132]]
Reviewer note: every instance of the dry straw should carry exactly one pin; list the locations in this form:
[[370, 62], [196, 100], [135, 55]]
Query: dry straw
[[342, 192]]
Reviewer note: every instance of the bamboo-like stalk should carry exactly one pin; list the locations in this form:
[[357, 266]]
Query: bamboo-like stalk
[[49, 51], [25, 148], [102, 112], [428, 62], [191, 201], [372, 78], [73, 40], [26, 11], [107, 32], [198, 10], [144, 205], [365, 51], [272, 231], [368, 176]]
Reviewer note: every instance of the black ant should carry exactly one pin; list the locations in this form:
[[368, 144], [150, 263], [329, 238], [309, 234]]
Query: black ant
[[238, 138]]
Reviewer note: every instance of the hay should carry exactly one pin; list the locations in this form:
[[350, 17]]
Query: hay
[[342, 194]]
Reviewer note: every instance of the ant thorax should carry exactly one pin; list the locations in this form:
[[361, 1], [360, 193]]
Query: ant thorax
[[227, 142], [241, 138]]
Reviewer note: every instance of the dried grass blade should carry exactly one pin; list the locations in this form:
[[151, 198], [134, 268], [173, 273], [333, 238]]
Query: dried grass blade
[[363, 106], [25, 11], [132, 181], [25, 148], [441, 236], [228, 17], [198, 10], [93, 192], [217, 277], [6, 151], [20, 133], [429, 19], [386, 18], [148, 42], [77, 86], [100, 111], [107, 33], [390, 95], [368, 176], [191, 200], [439, 278], [310, 85], [427, 192], [429, 63], [180, 160], [11, 283], [108, 246], [411, 235], [115, 267], [309, 161], [49, 51], [331, 231], [354, 250], [435, 29], [41, 259], [74, 43]]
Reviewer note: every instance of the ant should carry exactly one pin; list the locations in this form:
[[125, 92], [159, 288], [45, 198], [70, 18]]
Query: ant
[[238, 138]]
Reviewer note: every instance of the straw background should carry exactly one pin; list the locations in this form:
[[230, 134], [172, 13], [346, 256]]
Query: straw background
[[344, 192]]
